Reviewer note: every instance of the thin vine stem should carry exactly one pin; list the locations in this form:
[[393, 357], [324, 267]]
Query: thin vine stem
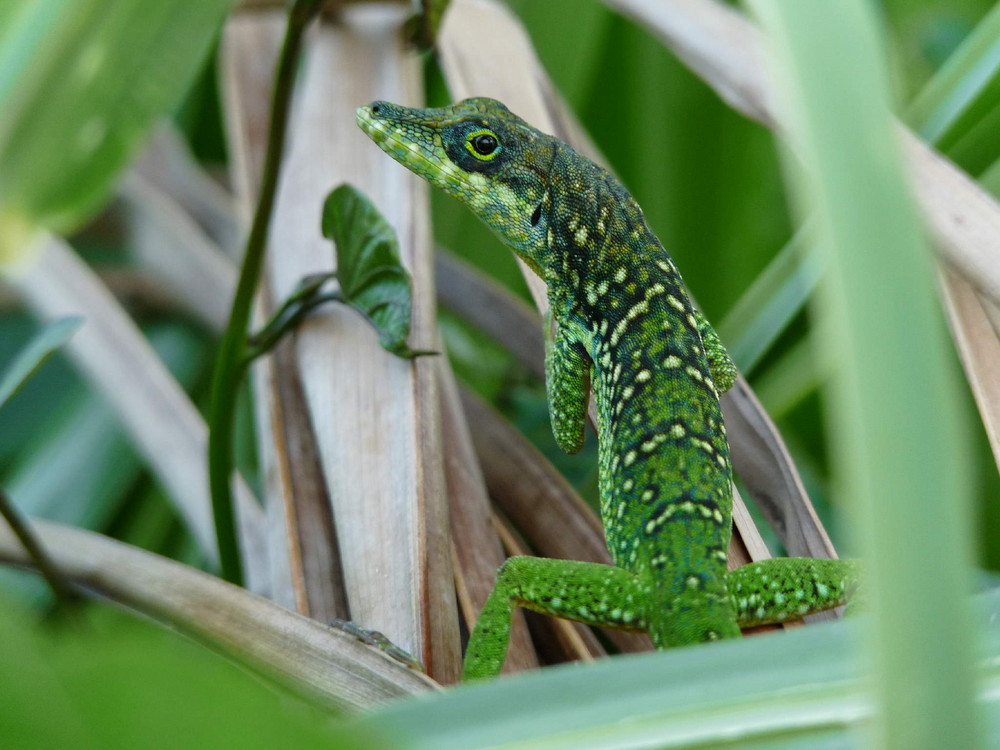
[[230, 363], [61, 588]]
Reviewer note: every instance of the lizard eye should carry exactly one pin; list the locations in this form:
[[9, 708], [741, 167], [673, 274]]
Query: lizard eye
[[483, 144]]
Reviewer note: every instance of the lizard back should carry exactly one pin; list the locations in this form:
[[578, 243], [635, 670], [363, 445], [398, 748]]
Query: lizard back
[[665, 472]]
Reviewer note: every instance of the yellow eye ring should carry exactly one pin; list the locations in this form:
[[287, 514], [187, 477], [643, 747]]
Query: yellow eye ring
[[483, 144]]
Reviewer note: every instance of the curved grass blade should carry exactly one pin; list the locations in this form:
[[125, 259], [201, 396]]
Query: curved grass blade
[[884, 391], [34, 355], [230, 360], [952, 109], [792, 690], [767, 307]]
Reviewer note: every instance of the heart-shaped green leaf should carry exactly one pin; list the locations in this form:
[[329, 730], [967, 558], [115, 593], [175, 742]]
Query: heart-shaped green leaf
[[372, 278]]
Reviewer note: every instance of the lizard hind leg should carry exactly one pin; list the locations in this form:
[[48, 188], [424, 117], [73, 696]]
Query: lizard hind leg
[[786, 588], [590, 593]]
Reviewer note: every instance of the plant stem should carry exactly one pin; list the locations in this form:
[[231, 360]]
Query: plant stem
[[230, 361], [22, 530], [285, 320]]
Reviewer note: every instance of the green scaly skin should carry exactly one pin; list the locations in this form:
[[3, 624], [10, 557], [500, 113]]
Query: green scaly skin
[[624, 321]]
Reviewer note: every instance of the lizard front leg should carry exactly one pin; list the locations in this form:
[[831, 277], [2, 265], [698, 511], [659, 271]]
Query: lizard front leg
[[567, 383], [786, 588], [590, 593]]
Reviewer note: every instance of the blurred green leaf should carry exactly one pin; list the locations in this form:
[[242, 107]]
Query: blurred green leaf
[[792, 689], [81, 81], [790, 378], [372, 279], [80, 466], [33, 356], [79, 469], [130, 685], [894, 408]]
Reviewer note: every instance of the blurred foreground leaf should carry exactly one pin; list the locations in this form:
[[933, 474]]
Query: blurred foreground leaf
[[885, 389], [81, 81], [801, 688], [132, 686]]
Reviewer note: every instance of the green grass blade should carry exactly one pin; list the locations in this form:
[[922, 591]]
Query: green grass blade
[[655, 700], [230, 362], [894, 422], [798, 689], [764, 311], [81, 81], [787, 382], [965, 88], [990, 179], [33, 356]]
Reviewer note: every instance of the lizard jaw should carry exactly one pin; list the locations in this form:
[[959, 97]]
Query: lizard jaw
[[423, 153]]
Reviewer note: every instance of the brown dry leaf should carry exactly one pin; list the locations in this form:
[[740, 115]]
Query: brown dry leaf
[[326, 666], [763, 463], [979, 346], [374, 416], [478, 551]]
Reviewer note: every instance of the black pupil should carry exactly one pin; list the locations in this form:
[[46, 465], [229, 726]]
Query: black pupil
[[484, 144]]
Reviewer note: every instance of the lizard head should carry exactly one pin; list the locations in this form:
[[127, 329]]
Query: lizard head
[[482, 154]]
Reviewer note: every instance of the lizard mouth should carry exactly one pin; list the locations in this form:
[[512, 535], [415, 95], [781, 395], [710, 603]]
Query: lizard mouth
[[377, 129], [416, 146], [389, 134], [366, 120]]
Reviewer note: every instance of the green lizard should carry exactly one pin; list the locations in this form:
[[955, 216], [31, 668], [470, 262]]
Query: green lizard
[[623, 321]]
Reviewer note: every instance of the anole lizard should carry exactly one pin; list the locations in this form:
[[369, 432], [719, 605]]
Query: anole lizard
[[623, 320]]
